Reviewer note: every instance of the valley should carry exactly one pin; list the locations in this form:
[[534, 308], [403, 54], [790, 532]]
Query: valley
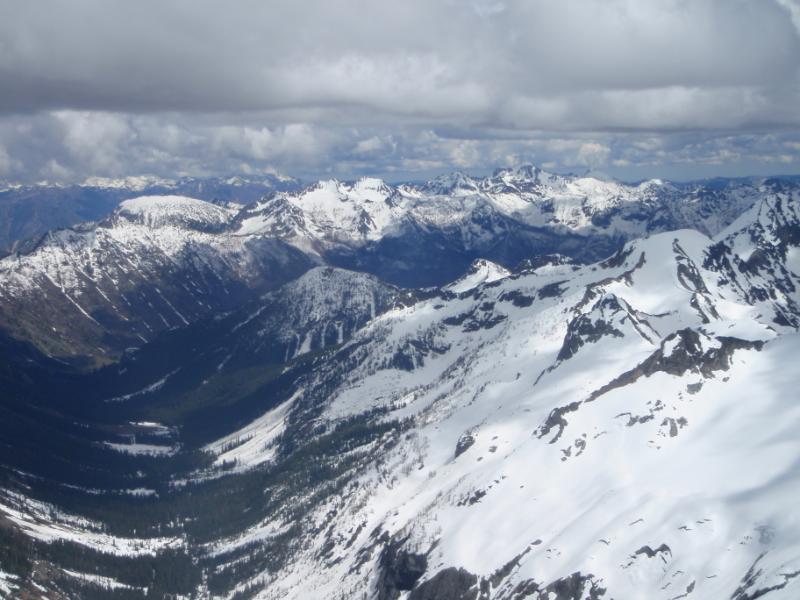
[[523, 386]]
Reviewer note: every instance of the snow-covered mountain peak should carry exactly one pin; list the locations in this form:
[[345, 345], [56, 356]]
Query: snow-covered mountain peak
[[455, 184], [336, 214], [480, 271], [651, 183], [329, 212], [328, 292], [175, 211], [634, 398], [133, 183], [371, 184], [329, 282], [529, 171]]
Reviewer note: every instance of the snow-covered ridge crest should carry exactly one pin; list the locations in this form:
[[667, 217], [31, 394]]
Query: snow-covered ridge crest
[[134, 182], [355, 213], [156, 263], [175, 211], [480, 271], [364, 225]]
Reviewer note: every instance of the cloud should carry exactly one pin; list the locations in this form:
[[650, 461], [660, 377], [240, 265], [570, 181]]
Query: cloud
[[5, 161], [96, 139], [793, 7], [290, 142], [416, 59], [593, 154], [70, 146], [373, 145], [53, 171], [307, 86]]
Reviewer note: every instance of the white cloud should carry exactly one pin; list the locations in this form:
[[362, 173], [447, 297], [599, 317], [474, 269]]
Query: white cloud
[[73, 146], [96, 138], [54, 171], [371, 145], [593, 154], [793, 6], [289, 142]]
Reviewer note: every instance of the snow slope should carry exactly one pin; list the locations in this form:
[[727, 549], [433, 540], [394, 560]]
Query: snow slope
[[619, 430], [157, 263]]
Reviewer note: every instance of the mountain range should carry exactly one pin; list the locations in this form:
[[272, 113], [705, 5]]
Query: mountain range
[[158, 262], [520, 386]]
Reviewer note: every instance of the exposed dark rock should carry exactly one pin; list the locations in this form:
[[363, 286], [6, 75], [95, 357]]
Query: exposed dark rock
[[594, 290], [618, 258], [464, 443], [551, 290], [556, 419], [448, 584], [688, 273], [583, 329], [650, 552], [687, 356], [603, 219], [399, 570], [574, 587], [500, 574], [745, 591], [674, 425], [484, 321], [693, 388], [474, 498], [517, 298], [413, 353], [456, 320]]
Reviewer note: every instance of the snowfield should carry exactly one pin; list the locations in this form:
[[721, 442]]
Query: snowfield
[[542, 447]]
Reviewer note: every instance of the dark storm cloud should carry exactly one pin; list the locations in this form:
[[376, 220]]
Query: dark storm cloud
[[110, 88]]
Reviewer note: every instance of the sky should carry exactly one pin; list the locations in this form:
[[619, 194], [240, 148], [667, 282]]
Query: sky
[[679, 89]]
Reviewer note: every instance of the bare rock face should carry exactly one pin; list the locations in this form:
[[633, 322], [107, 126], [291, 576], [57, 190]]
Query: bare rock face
[[448, 584], [399, 571], [464, 443]]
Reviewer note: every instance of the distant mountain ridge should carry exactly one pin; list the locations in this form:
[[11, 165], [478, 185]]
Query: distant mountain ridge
[[29, 211], [162, 261]]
